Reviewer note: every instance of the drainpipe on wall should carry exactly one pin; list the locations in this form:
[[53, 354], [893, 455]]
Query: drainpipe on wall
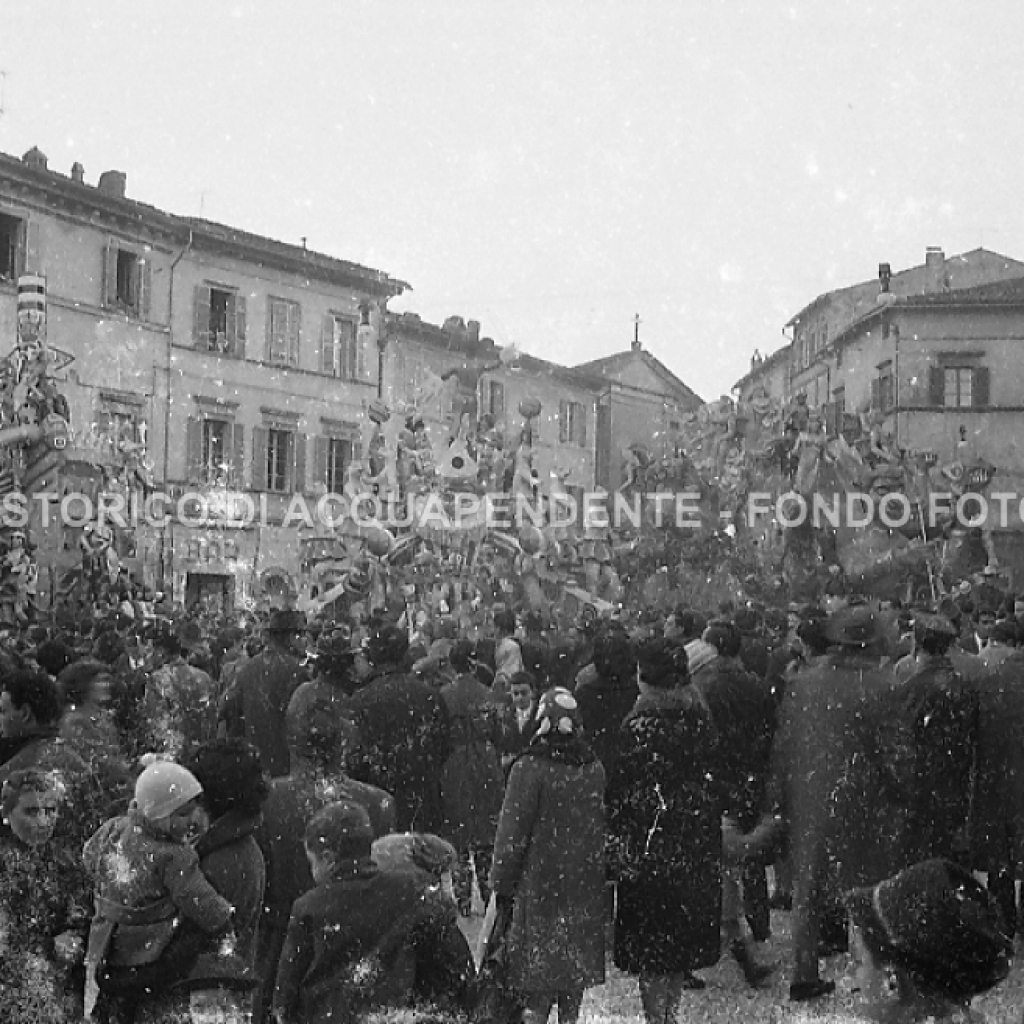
[[167, 537]]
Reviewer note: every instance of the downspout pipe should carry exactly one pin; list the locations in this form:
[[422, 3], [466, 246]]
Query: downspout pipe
[[167, 407]]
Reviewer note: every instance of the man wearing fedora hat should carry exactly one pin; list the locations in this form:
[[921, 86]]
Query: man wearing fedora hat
[[843, 828], [254, 708]]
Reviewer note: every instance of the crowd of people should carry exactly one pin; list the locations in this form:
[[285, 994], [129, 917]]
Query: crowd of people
[[295, 819]]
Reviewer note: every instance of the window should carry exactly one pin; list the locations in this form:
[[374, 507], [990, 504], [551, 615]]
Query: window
[[215, 450], [279, 458], [11, 247], [127, 281], [572, 423], [838, 411], [341, 355], [279, 447], [339, 457], [283, 327], [958, 389], [219, 321], [496, 401], [883, 388]]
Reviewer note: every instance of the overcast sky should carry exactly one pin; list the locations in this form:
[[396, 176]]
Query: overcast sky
[[551, 168]]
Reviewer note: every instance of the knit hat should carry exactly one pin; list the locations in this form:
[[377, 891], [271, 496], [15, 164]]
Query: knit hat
[[558, 714], [939, 923], [341, 828], [163, 788]]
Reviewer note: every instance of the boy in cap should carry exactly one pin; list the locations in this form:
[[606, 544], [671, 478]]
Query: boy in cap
[[363, 938], [146, 876]]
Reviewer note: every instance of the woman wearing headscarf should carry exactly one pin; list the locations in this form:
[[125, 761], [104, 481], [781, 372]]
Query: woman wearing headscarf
[[45, 903], [665, 843], [549, 862]]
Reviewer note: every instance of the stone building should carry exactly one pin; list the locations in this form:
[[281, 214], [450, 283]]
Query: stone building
[[241, 369]]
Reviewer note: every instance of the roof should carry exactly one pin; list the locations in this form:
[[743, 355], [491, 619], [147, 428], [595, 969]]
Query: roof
[[1007, 294], [766, 364], [485, 350], [898, 277], [204, 233], [608, 366]]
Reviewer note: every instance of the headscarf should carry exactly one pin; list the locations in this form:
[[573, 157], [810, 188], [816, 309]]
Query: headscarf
[[559, 734]]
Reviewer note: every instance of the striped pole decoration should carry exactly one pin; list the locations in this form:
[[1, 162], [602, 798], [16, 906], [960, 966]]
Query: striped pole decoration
[[31, 307]]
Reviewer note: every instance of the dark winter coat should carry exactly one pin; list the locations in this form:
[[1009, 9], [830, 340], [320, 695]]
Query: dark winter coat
[[364, 940], [403, 732], [929, 742], [549, 856], [472, 783], [743, 713], [665, 843], [292, 802], [998, 818], [255, 707], [845, 821], [604, 704]]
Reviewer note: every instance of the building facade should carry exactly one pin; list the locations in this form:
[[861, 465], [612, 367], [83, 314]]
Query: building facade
[[641, 403], [232, 372]]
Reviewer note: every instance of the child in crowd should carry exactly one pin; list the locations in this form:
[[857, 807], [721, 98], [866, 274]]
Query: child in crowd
[[146, 876], [359, 940]]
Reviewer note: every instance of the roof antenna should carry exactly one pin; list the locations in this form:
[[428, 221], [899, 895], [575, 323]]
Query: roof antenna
[[636, 332]]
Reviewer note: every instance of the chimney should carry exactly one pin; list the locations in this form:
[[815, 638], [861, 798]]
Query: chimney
[[78, 173], [935, 270], [473, 329], [35, 158], [113, 183], [884, 277]]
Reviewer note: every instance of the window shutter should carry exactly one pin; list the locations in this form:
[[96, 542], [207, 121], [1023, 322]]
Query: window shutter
[[201, 317], [31, 253], [980, 387], [321, 453], [194, 449], [259, 458], [563, 421], [21, 254], [108, 285], [239, 320], [361, 368], [145, 283], [270, 331], [294, 332], [327, 357], [936, 386], [583, 424], [238, 455], [298, 462]]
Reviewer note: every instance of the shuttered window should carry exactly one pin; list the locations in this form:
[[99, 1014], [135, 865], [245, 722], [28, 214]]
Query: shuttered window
[[279, 460], [572, 423], [284, 326], [219, 321], [342, 354], [127, 280], [12, 247]]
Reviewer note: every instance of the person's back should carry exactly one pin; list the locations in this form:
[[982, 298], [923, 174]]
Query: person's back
[[403, 732], [356, 941], [255, 707], [940, 712]]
